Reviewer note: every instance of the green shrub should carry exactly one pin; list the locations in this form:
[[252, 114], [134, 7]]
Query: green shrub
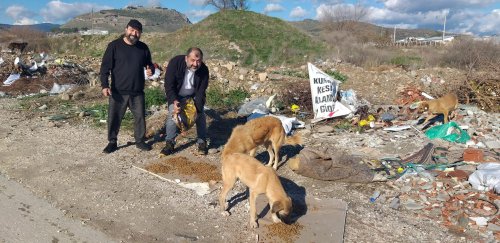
[[154, 96], [214, 96], [218, 98], [235, 97], [337, 75]]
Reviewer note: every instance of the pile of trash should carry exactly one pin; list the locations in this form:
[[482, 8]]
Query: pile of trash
[[33, 73]]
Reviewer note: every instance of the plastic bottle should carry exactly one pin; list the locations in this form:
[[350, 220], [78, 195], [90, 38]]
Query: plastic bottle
[[375, 195]]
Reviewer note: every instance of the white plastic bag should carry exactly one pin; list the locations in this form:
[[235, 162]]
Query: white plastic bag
[[486, 177], [11, 79]]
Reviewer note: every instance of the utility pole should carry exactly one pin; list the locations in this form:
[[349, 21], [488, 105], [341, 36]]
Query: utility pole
[[444, 26], [92, 21], [394, 36]]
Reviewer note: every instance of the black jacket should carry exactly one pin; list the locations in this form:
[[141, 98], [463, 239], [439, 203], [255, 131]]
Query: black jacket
[[126, 65], [174, 77]]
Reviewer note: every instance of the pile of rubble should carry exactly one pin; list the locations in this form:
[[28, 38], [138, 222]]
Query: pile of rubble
[[455, 184]]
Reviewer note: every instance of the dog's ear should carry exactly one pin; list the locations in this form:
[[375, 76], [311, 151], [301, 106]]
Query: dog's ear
[[276, 207]]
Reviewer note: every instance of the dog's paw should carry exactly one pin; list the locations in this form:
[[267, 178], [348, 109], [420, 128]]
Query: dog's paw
[[254, 224], [276, 219], [226, 213]]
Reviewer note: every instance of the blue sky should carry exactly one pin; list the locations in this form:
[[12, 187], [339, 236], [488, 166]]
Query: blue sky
[[479, 17]]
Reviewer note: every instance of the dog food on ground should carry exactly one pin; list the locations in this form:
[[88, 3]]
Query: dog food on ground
[[285, 232], [182, 165]]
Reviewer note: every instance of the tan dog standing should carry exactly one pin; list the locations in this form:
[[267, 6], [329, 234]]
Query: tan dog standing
[[259, 179], [267, 131], [444, 105]]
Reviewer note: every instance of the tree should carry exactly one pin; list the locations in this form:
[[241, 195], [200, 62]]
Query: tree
[[228, 4], [342, 17]]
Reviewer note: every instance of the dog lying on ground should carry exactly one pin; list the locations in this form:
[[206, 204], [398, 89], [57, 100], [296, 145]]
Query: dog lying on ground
[[267, 131], [444, 105], [259, 179]]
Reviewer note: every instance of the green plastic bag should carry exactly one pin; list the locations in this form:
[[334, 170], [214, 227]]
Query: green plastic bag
[[450, 132]]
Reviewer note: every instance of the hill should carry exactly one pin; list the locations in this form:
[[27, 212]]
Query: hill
[[45, 27], [114, 20], [248, 37], [364, 31]]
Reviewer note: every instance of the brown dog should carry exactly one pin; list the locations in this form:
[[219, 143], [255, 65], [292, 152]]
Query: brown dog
[[259, 179], [267, 131], [444, 105]]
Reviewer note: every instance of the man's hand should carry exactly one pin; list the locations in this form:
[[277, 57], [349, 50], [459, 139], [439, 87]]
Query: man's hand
[[177, 107], [106, 92], [149, 72]]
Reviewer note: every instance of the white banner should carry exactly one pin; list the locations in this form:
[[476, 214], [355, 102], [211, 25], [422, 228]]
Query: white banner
[[324, 95]]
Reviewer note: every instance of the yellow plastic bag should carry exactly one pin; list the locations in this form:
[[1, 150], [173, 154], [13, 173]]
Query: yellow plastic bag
[[186, 118]]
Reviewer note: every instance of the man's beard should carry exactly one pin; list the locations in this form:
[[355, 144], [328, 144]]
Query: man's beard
[[132, 39]]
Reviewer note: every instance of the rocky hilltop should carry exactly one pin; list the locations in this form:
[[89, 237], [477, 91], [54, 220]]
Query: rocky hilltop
[[114, 20]]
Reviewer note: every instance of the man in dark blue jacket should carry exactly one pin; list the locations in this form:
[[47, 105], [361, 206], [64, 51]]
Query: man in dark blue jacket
[[186, 76], [125, 60]]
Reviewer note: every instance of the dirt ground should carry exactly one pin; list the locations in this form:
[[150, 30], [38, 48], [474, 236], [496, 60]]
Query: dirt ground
[[63, 164]]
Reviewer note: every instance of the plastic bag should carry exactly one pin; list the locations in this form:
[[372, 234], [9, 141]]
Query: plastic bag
[[450, 132], [486, 177], [187, 117], [254, 106]]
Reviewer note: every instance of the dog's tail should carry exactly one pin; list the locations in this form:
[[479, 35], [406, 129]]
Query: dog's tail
[[294, 140]]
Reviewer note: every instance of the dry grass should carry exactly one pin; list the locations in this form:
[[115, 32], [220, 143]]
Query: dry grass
[[37, 40]]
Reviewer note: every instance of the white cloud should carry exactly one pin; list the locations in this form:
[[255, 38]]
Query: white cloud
[[433, 5], [153, 3], [198, 13], [474, 22], [20, 15], [464, 21], [273, 7], [25, 21], [57, 11], [298, 12], [197, 2]]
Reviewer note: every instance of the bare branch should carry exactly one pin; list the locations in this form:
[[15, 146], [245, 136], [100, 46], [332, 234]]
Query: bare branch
[[229, 4]]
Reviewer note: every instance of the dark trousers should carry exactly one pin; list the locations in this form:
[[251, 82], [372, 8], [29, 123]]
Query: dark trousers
[[118, 106]]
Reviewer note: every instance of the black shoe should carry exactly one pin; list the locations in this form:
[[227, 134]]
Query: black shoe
[[202, 148], [110, 148], [143, 146], [168, 149]]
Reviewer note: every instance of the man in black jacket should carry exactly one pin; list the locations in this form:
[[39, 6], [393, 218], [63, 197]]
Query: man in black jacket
[[125, 59], [186, 76]]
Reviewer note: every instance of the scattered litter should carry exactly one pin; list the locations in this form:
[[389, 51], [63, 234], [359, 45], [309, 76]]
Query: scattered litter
[[427, 96], [450, 132], [487, 177], [254, 106], [11, 79], [480, 221], [397, 128], [60, 88]]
